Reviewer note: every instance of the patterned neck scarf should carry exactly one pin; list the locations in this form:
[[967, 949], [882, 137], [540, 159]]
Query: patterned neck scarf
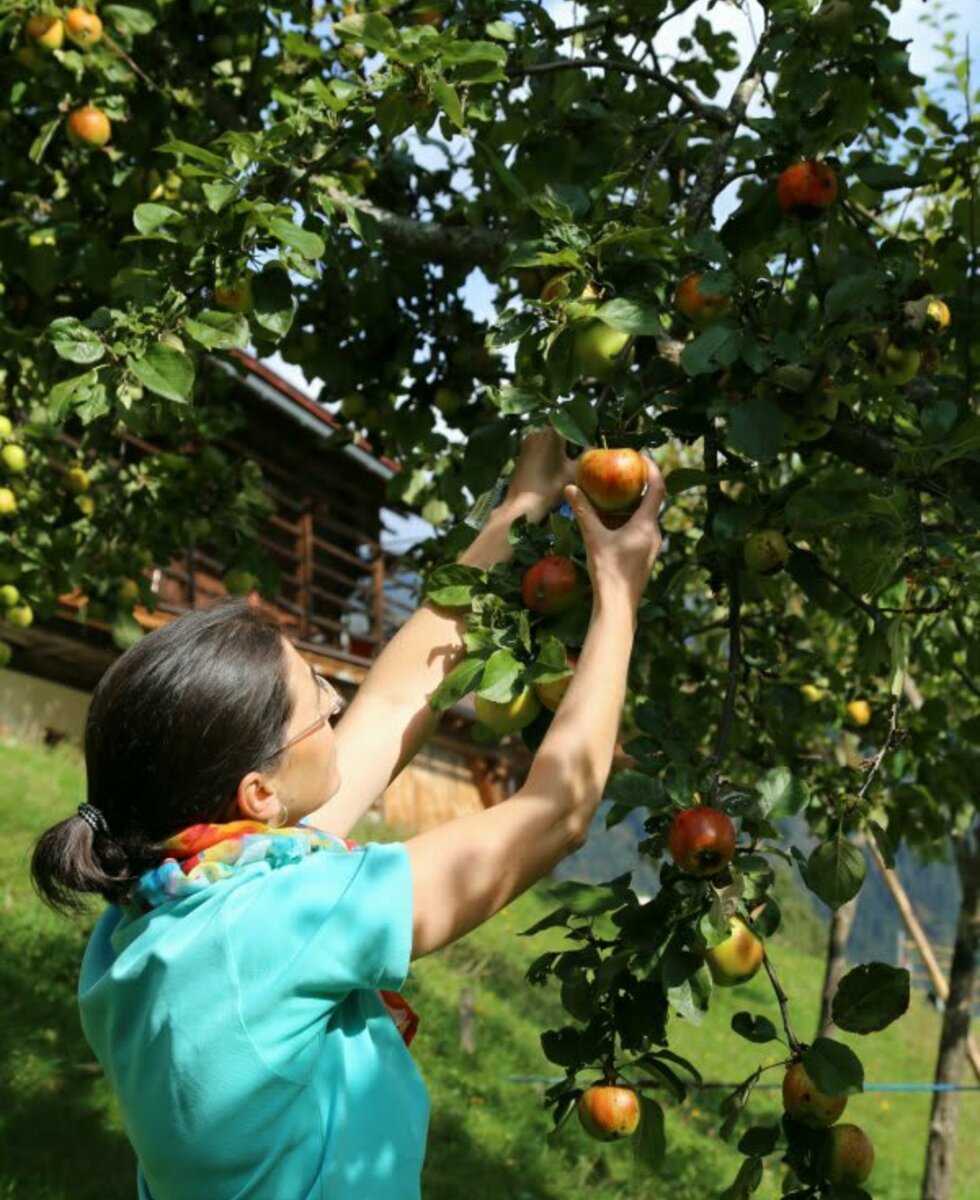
[[203, 855]]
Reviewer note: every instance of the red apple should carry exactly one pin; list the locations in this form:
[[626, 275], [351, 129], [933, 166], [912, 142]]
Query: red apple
[[89, 126], [551, 585], [804, 1101], [701, 840], [613, 479], [608, 1112]]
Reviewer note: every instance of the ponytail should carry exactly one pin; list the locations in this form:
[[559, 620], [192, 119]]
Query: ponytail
[[72, 859]]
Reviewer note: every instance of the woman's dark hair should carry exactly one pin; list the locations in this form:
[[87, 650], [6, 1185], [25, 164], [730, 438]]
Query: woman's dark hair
[[174, 725]]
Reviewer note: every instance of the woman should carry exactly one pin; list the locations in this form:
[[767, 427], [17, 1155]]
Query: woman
[[238, 987]]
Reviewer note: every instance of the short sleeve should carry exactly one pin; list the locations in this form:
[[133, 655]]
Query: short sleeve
[[331, 923]]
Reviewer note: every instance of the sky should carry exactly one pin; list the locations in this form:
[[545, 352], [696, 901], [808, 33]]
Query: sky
[[951, 21]]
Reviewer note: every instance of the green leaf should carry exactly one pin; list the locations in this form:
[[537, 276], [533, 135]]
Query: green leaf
[[500, 676], [650, 1139], [781, 794], [682, 479], [219, 194], [588, 899], [62, 395], [372, 30], [454, 585], [629, 317], [125, 630], [74, 341], [503, 31], [303, 241], [754, 1028], [854, 293], [746, 1181], [218, 330], [870, 997], [128, 19], [759, 1141], [885, 176], [198, 153], [712, 350], [461, 680], [165, 371], [463, 53], [566, 424], [835, 871], [272, 299], [757, 428], [448, 100], [834, 1068], [634, 789], [148, 218]]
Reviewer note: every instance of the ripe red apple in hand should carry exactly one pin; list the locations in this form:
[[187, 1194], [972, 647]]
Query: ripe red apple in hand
[[613, 480], [608, 1112], [551, 585], [701, 840]]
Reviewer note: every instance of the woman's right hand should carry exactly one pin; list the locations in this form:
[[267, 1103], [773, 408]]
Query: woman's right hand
[[622, 557]]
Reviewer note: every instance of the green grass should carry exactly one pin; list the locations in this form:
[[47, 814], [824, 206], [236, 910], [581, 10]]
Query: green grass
[[61, 1135]]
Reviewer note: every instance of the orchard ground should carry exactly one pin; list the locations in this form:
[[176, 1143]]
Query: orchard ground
[[62, 1135]]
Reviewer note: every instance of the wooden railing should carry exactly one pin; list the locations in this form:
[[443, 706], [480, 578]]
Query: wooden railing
[[334, 578]]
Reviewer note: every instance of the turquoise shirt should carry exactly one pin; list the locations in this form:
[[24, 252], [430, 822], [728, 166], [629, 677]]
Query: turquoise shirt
[[242, 1031]]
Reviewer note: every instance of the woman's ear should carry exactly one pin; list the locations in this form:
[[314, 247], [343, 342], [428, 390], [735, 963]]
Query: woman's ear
[[255, 800]]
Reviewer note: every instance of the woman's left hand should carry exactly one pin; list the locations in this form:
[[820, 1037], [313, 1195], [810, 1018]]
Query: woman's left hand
[[542, 471]]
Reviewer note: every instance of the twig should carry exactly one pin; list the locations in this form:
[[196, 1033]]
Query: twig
[[716, 116], [871, 609], [966, 679], [727, 722], [794, 1043], [880, 756], [121, 53]]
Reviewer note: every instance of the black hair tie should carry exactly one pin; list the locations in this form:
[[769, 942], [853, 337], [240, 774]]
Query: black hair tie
[[93, 818]]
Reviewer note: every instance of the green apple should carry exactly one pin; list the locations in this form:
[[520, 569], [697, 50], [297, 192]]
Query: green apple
[[9, 595], [598, 347], [8, 502], [76, 481], [510, 716], [14, 458], [737, 958], [898, 365], [20, 616], [6, 427], [766, 551]]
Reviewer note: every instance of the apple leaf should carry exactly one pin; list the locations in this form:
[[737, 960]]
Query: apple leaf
[[272, 296], [835, 871], [587, 899], [629, 317], [759, 1140], [870, 997], [717, 347], [650, 1139], [566, 1047], [781, 794], [165, 371], [218, 330], [372, 30], [454, 585], [757, 428], [303, 241], [460, 680], [754, 1028], [74, 341], [834, 1068], [746, 1181], [149, 218], [500, 675]]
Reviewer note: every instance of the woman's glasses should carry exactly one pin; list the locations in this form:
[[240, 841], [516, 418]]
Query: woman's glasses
[[337, 705]]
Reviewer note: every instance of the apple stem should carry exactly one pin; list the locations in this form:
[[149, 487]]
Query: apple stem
[[794, 1043]]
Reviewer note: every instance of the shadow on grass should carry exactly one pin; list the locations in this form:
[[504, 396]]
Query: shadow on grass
[[56, 1138]]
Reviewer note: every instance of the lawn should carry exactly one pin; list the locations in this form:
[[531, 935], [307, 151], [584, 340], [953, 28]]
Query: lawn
[[62, 1138]]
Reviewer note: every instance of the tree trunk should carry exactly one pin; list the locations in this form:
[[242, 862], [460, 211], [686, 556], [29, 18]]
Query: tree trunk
[[937, 1181], [841, 924]]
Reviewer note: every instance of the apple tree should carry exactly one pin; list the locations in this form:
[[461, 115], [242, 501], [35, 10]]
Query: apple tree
[[759, 266]]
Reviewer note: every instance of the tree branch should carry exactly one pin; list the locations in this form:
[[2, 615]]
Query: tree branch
[[709, 112], [713, 169], [440, 243], [783, 999], [727, 722], [879, 758]]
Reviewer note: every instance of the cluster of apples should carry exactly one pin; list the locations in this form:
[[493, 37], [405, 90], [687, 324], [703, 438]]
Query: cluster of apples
[[13, 458], [613, 479], [88, 126], [847, 1155]]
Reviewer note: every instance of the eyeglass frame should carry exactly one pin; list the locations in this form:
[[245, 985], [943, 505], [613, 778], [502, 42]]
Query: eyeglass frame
[[339, 704]]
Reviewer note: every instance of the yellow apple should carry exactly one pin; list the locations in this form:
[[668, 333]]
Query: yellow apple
[[737, 958], [859, 711], [804, 1101], [14, 458], [8, 502], [509, 716], [46, 31]]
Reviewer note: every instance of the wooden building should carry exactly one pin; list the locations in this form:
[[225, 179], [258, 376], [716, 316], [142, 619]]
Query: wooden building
[[341, 597]]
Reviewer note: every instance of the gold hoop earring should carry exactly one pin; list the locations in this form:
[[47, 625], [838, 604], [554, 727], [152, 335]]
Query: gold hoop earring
[[281, 817]]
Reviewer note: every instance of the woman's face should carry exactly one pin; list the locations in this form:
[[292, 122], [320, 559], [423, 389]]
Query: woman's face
[[307, 775]]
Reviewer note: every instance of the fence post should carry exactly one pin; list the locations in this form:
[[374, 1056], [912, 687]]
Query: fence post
[[467, 1021]]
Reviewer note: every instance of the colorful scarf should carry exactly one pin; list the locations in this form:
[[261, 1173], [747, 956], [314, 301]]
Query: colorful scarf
[[203, 855]]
